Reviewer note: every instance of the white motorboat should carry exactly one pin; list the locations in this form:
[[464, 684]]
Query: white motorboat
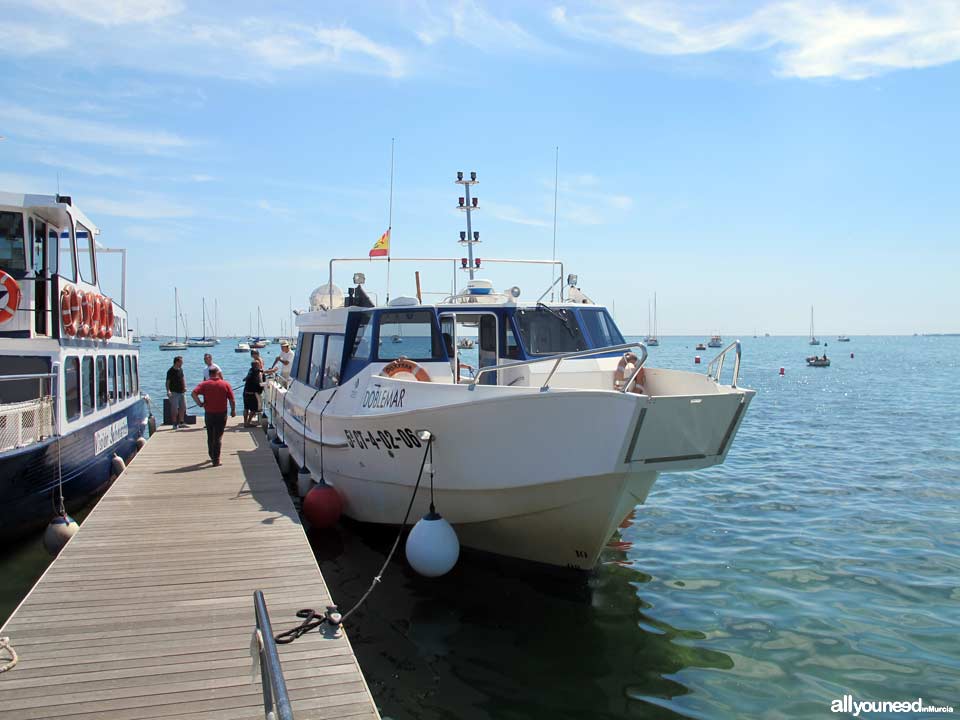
[[242, 347], [539, 453], [715, 341]]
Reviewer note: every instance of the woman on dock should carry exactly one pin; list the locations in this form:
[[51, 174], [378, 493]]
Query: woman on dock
[[252, 388]]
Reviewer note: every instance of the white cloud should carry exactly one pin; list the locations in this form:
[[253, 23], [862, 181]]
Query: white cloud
[[17, 183], [508, 213], [114, 12], [274, 209], [146, 206], [809, 38], [78, 163], [22, 39], [467, 21], [22, 121], [201, 178], [334, 47]]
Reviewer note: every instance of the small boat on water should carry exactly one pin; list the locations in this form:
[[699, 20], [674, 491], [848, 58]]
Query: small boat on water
[[69, 374], [242, 347], [715, 341], [818, 361], [651, 340], [202, 341], [572, 426], [843, 338], [701, 346], [175, 344], [465, 343]]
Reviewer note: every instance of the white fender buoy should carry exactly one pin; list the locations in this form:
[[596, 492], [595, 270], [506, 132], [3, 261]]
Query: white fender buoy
[[432, 546], [118, 465], [283, 457], [271, 432], [58, 533], [304, 481], [141, 443]]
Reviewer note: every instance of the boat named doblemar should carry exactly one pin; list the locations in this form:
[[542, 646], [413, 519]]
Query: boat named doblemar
[[69, 374], [539, 452]]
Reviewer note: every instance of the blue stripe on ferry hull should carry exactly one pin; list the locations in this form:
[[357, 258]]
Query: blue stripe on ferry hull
[[29, 477]]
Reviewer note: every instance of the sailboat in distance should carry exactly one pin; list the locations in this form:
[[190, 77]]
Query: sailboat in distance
[[813, 338], [651, 340], [175, 344], [202, 341], [259, 341]]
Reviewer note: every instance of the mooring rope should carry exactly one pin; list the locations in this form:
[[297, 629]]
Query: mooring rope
[[6, 646]]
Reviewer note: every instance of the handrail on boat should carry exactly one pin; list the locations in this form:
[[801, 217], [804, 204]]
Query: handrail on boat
[[276, 702], [29, 376], [718, 361], [567, 356]]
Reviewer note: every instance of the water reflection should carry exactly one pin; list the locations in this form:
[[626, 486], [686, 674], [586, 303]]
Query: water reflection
[[505, 640]]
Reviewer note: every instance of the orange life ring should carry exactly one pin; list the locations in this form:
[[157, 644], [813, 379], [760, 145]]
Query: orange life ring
[[9, 297], [108, 330], [86, 310], [402, 365], [95, 308], [67, 299], [76, 313], [621, 376]]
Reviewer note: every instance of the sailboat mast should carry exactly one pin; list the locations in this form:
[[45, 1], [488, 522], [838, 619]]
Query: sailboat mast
[[176, 312]]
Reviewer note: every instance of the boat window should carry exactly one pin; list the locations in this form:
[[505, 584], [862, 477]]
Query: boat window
[[101, 382], [121, 386], [112, 367], [12, 391], [87, 385], [316, 360], [68, 261], [304, 347], [136, 376], [129, 376], [331, 367], [86, 255], [545, 330], [52, 245], [361, 339], [409, 333], [601, 328], [12, 257], [512, 349], [71, 374]]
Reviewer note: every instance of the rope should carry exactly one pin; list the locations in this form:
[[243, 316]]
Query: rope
[[310, 617], [7, 647]]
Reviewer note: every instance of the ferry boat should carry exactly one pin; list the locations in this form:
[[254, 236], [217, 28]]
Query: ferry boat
[[69, 374], [715, 341], [539, 453]]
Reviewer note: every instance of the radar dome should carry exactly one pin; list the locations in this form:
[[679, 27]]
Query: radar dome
[[326, 297]]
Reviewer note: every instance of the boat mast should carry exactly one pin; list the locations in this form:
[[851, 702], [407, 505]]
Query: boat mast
[[468, 207], [176, 312]]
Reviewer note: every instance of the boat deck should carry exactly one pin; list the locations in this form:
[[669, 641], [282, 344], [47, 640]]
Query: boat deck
[[148, 611]]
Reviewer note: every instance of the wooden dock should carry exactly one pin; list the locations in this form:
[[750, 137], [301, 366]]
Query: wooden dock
[[148, 612]]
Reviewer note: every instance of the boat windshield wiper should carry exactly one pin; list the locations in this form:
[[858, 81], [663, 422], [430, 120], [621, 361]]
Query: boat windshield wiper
[[559, 316]]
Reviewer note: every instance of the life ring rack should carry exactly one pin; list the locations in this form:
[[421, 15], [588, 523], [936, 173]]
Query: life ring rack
[[404, 365]]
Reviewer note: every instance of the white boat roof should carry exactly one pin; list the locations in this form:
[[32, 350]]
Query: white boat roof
[[49, 207]]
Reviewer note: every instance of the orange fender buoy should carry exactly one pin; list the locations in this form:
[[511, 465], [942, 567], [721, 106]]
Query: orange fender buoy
[[403, 365]]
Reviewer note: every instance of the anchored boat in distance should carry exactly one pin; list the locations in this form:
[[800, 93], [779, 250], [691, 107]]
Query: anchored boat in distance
[[570, 423]]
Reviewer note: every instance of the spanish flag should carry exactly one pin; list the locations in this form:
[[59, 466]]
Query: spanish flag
[[382, 246]]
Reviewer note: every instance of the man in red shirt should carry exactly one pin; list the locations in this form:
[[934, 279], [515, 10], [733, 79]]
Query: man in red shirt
[[216, 393]]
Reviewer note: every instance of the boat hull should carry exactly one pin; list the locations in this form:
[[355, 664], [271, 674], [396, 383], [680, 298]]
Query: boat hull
[[29, 475]]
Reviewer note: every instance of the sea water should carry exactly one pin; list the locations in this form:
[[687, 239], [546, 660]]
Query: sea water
[[822, 559]]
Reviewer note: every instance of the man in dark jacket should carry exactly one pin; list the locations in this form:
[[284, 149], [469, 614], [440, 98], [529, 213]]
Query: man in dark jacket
[[176, 391]]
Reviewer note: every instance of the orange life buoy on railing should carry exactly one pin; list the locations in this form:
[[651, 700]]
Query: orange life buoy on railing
[[85, 311], [401, 365], [68, 297], [9, 297], [95, 308], [108, 329], [622, 375], [76, 313]]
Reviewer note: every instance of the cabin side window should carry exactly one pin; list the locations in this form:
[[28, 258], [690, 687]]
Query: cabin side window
[[136, 376], [53, 243], [30, 388], [87, 384], [361, 339], [101, 382], [86, 255], [126, 362], [601, 328], [547, 331], [302, 361], [112, 369], [121, 386], [71, 381], [409, 333], [316, 360], [331, 366], [12, 254], [68, 261]]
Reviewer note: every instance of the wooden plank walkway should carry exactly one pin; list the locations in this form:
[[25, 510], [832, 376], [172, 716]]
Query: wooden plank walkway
[[148, 611]]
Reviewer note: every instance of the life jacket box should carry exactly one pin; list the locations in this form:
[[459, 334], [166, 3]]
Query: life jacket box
[[188, 419]]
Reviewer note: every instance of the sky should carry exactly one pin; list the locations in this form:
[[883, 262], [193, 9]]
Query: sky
[[743, 160]]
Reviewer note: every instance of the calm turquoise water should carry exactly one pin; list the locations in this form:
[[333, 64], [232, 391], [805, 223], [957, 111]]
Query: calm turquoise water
[[822, 559]]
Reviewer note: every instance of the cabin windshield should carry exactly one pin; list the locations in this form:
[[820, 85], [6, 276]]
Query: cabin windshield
[[601, 328], [12, 253], [546, 331], [410, 333]]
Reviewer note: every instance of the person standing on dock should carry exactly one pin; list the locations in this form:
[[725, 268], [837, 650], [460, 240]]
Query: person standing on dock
[[176, 391], [285, 358], [208, 365], [216, 394], [252, 387]]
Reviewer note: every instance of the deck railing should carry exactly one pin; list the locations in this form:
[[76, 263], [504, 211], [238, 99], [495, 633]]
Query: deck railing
[[27, 421], [718, 363], [276, 702], [557, 359]]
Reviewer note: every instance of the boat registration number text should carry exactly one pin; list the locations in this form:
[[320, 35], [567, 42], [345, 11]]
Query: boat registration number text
[[109, 436], [382, 439]]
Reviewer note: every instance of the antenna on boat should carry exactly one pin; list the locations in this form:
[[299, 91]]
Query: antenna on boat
[[390, 218], [556, 187], [468, 206]]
